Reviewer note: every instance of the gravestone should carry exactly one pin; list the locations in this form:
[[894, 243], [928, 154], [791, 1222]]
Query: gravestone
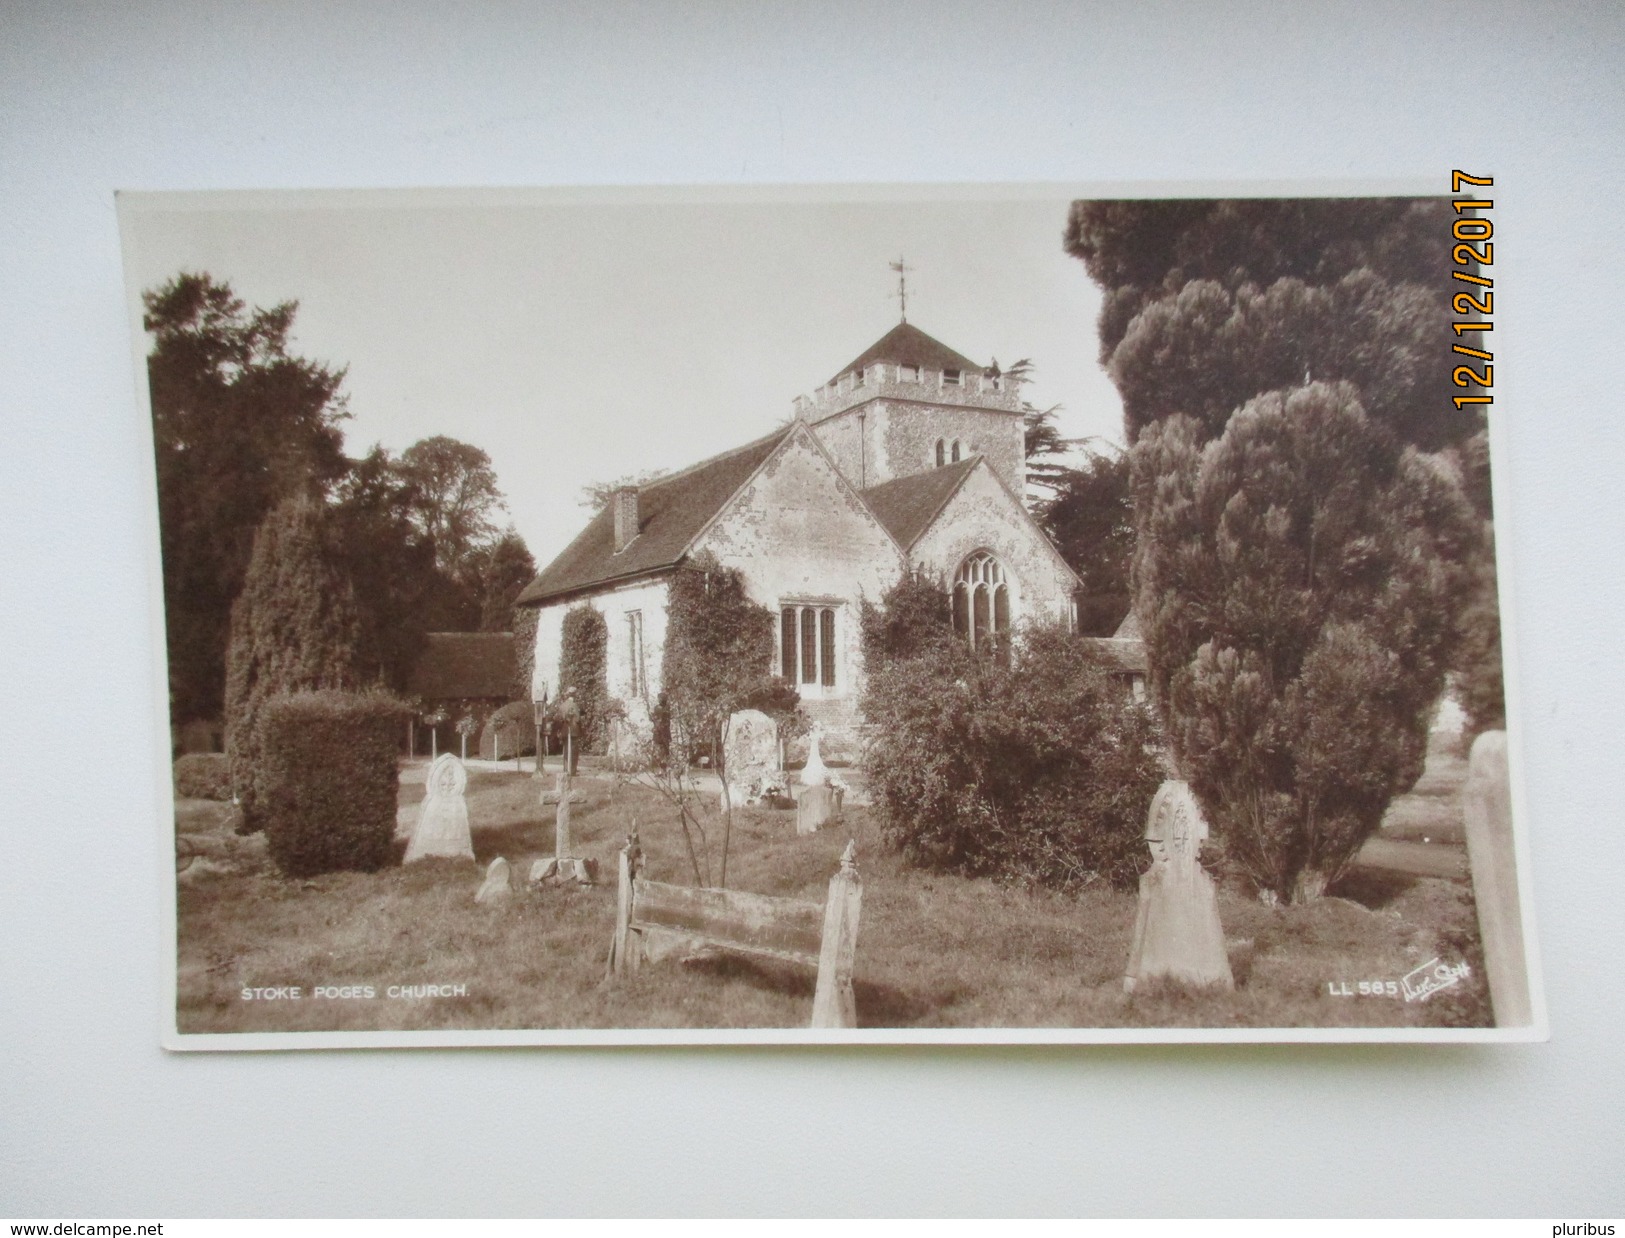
[[1177, 933], [750, 754], [442, 828], [565, 865], [498, 884], [1486, 802], [816, 807], [815, 773]]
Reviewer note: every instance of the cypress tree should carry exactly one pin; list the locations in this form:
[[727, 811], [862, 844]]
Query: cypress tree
[[294, 627]]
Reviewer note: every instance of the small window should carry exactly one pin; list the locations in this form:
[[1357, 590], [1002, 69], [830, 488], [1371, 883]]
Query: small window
[[857, 377], [908, 373], [637, 679], [956, 451], [807, 652], [809, 645], [826, 647], [950, 378], [942, 453], [787, 643]]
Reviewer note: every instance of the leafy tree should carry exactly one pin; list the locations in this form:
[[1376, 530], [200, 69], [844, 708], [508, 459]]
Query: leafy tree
[[1090, 518], [595, 495], [239, 423], [294, 628], [505, 569], [1298, 582], [455, 501], [390, 563], [525, 620]]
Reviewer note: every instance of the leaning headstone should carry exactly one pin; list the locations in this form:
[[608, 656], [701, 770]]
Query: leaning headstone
[[1486, 802], [442, 828], [498, 884], [1177, 933], [815, 773], [750, 754]]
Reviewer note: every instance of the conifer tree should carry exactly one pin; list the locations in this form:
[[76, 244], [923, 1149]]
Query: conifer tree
[[1299, 580], [294, 627]]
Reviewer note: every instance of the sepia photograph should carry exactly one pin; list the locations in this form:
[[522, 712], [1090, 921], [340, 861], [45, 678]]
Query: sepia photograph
[[915, 614]]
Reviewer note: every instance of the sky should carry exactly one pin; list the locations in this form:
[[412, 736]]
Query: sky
[[581, 336]]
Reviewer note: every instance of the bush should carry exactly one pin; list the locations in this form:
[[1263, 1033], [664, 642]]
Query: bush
[[203, 776], [1040, 771], [509, 732], [294, 628], [330, 779], [584, 666], [914, 615]]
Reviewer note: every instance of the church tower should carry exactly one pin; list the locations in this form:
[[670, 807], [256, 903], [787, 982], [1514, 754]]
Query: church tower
[[908, 404]]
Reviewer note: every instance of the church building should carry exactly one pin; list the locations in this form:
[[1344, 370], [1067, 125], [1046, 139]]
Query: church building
[[911, 456]]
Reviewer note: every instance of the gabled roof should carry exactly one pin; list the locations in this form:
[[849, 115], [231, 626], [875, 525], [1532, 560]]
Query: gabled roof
[[671, 513], [908, 505], [1126, 653], [906, 344], [464, 665]]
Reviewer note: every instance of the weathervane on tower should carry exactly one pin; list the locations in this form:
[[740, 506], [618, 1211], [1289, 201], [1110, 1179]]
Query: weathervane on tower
[[902, 268]]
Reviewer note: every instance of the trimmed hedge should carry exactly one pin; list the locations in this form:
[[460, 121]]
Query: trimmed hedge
[[203, 776], [330, 779], [509, 732]]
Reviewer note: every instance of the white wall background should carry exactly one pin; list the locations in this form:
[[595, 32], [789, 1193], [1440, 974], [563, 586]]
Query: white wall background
[[95, 97]]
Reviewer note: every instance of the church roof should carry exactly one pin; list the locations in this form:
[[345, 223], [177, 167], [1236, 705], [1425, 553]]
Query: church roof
[[906, 344], [464, 666], [671, 513], [908, 505]]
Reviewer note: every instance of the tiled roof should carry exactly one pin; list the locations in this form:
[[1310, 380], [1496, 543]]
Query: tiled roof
[[906, 344], [1128, 655], [671, 512], [1129, 629], [459, 665], [908, 505]]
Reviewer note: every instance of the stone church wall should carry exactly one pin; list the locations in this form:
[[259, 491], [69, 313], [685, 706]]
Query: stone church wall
[[983, 515], [648, 600], [801, 538]]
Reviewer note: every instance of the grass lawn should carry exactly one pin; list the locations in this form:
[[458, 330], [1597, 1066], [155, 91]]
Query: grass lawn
[[933, 950]]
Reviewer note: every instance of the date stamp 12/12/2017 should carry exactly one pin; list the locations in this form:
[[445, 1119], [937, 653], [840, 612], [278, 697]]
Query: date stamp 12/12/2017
[[1416, 985], [1471, 252]]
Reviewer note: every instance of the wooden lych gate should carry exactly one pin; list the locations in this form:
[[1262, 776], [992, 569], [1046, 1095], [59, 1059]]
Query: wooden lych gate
[[654, 920]]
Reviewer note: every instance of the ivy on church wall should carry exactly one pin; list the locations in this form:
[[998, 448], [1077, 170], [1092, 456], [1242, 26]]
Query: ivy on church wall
[[583, 666]]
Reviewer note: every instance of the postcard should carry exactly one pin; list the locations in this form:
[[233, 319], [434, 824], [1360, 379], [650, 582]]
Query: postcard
[[832, 615]]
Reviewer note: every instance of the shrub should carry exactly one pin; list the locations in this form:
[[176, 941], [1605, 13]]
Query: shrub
[[1038, 771], [583, 665], [203, 776], [294, 628], [914, 615], [509, 732], [329, 782]]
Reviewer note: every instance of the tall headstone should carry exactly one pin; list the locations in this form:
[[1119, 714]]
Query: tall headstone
[[1486, 802], [442, 828], [1177, 933], [815, 773], [750, 754]]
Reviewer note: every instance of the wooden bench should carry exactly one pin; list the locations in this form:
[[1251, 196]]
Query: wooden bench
[[654, 920]]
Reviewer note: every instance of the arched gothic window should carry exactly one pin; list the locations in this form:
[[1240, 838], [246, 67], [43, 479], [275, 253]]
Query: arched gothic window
[[982, 602], [942, 455], [956, 451]]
